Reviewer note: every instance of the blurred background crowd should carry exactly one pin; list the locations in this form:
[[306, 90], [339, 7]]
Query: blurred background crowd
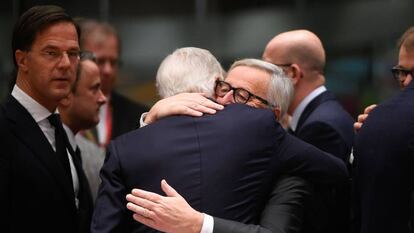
[[359, 36]]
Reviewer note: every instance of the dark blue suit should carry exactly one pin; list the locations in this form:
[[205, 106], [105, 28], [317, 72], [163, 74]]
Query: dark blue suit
[[384, 165], [33, 181], [222, 164], [326, 125]]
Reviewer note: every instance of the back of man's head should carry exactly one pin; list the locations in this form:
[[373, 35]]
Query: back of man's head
[[34, 21], [188, 70], [407, 40], [301, 47]]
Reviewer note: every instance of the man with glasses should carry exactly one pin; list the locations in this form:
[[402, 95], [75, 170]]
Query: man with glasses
[[383, 154], [41, 181], [402, 73], [224, 164]]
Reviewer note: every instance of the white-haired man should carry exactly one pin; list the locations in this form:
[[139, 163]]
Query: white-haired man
[[223, 164]]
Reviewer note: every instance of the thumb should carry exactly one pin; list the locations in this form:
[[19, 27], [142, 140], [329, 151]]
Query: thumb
[[170, 191]]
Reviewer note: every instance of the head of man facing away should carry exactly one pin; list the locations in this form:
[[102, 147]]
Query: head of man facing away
[[197, 70]]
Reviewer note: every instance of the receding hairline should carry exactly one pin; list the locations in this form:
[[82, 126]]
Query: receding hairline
[[298, 46]]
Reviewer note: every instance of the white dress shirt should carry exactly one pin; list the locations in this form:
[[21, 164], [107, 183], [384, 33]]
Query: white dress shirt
[[75, 177], [101, 128], [301, 107], [40, 115]]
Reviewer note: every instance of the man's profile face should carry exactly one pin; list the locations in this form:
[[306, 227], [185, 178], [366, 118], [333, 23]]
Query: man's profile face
[[50, 65], [87, 97], [106, 49], [252, 79], [405, 61]]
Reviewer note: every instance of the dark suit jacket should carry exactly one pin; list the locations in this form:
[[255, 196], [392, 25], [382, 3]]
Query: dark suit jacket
[[36, 195], [283, 212], [125, 113], [222, 164], [326, 125], [384, 165]]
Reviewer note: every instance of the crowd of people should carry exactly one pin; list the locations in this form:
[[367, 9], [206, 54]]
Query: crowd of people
[[263, 147]]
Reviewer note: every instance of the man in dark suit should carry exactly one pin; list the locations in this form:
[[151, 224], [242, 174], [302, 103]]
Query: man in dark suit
[[41, 182], [119, 115], [80, 111], [317, 118], [384, 155], [223, 164]]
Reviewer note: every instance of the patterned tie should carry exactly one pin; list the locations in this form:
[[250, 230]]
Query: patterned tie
[[61, 142]]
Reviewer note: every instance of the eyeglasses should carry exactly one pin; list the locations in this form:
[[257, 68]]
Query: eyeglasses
[[56, 55], [87, 55], [283, 65], [401, 73], [240, 95]]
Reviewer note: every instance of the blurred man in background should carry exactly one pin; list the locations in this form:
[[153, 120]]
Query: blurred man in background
[[119, 115], [80, 111]]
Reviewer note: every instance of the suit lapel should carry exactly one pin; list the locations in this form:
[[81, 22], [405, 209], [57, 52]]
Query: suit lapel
[[24, 127], [323, 97]]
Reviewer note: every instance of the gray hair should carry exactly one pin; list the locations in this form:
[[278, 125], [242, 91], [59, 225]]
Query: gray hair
[[188, 70], [280, 89]]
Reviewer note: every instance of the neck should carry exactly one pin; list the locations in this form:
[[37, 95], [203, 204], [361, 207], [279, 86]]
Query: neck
[[64, 116], [303, 89], [22, 83]]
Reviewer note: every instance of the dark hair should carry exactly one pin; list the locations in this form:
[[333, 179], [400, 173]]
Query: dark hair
[[84, 56], [407, 40], [34, 21]]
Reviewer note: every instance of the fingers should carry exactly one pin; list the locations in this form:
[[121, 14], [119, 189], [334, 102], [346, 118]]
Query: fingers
[[369, 108], [362, 117], [146, 221], [357, 126], [146, 195], [170, 191], [139, 210], [141, 201]]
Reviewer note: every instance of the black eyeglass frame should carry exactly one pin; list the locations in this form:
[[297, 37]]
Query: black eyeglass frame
[[405, 71], [236, 93]]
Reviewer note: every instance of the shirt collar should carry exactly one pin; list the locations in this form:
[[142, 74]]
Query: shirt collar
[[301, 107], [35, 109], [71, 136]]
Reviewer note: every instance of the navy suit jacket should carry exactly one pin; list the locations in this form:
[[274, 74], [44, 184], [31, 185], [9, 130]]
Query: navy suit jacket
[[384, 165], [222, 164], [36, 195], [326, 125]]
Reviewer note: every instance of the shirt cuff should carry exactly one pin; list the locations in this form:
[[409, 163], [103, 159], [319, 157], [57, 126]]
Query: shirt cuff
[[141, 120], [208, 224]]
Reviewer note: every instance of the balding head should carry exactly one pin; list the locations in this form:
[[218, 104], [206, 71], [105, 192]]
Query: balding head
[[301, 47]]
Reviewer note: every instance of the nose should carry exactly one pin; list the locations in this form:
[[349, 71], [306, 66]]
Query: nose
[[101, 99], [64, 61], [227, 98]]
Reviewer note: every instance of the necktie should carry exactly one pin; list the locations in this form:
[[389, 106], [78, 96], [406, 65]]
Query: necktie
[[61, 142]]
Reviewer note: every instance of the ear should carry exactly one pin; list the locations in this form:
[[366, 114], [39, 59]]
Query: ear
[[295, 74], [277, 112], [21, 59]]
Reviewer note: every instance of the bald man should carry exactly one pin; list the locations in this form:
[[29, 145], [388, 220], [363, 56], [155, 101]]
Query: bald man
[[317, 118]]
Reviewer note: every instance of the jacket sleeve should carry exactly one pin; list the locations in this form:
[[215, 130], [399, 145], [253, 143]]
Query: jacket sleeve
[[110, 207], [283, 212]]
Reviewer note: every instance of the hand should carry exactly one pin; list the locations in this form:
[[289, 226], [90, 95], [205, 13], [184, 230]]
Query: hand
[[191, 104], [169, 213], [363, 117]]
